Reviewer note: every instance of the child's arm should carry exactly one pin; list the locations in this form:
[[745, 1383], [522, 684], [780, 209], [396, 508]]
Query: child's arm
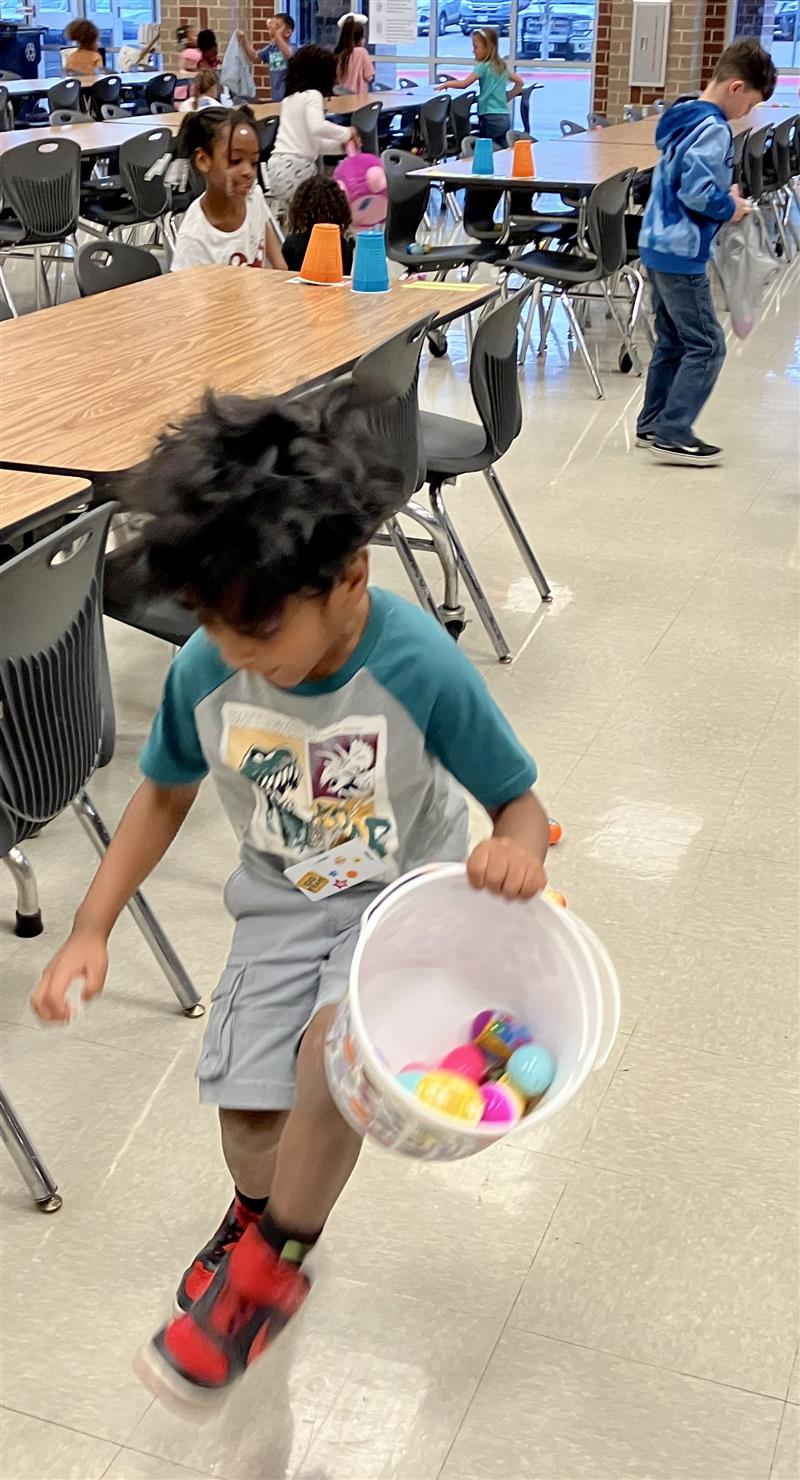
[[329, 136], [272, 246], [456, 82], [248, 48], [282, 44], [150, 822], [511, 861], [705, 178]]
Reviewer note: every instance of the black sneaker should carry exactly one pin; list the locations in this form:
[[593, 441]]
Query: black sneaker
[[204, 1266], [645, 439], [692, 454]]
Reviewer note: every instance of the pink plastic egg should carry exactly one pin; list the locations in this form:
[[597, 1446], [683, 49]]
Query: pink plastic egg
[[501, 1106], [466, 1060]]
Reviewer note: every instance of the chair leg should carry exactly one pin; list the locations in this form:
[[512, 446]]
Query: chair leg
[[170, 963], [7, 295], [471, 581], [582, 345], [546, 321], [451, 609], [29, 1163], [536, 298], [29, 916], [781, 229], [518, 534], [410, 564], [624, 329]]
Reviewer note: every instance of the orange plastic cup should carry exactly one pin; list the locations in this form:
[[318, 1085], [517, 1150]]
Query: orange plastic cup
[[323, 260], [522, 162]]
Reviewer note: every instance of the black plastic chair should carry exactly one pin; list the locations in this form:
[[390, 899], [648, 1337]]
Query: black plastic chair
[[778, 174], [461, 108], [407, 202], [108, 111], [40, 186], [67, 93], [106, 90], [569, 275], [597, 120], [159, 107], [525, 104], [432, 124], [58, 729], [568, 127], [144, 200], [454, 447], [367, 120], [753, 154], [739, 144], [6, 111], [112, 264], [9, 76], [65, 117], [160, 89]]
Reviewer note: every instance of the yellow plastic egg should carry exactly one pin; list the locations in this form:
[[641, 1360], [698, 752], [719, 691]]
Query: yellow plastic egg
[[451, 1095]]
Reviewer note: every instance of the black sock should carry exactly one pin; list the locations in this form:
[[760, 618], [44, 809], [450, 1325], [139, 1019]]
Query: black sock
[[253, 1204], [292, 1243]]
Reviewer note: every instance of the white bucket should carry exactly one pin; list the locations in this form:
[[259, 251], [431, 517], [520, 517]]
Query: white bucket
[[432, 954]]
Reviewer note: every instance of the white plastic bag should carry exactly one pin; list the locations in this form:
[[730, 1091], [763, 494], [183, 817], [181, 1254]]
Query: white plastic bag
[[236, 73], [745, 266]]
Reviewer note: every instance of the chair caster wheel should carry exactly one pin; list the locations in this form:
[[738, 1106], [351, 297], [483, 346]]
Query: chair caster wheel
[[455, 629], [437, 343], [625, 362], [197, 1011], [28, 925], [50, 1204]]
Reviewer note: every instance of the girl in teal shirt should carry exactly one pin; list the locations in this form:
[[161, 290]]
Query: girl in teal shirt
[[493, 76]]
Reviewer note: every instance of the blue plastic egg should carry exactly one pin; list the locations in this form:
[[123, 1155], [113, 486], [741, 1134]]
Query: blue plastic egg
[[531, 1070]]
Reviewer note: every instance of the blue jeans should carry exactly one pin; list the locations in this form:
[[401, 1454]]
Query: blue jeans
[[690, 348], [494, 126]]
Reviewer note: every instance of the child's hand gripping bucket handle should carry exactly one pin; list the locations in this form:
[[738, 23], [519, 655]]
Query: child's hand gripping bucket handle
[[609, 985]]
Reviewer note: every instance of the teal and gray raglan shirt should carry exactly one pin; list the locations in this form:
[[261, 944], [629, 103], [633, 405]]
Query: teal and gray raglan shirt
[[375, 751]]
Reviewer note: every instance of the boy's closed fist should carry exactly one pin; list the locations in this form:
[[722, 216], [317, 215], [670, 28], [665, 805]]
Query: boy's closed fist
[[504, 866]]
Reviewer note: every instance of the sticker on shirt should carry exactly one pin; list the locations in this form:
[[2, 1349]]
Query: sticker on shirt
[[338, 869], [313, 789]]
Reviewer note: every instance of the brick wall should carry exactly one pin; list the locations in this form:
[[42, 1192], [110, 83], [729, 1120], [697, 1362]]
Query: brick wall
[[715, 37], [253, 16], [696, 36]]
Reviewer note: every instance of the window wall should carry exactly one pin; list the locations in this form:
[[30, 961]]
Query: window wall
[[777, 26], [550, 42]]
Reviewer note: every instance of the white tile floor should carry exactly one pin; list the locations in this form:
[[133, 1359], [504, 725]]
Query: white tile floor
[[615, 1295]]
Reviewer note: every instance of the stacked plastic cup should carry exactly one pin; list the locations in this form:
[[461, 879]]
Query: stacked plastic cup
[[323, 260], [370, 267], [483, 157], [522, 163]]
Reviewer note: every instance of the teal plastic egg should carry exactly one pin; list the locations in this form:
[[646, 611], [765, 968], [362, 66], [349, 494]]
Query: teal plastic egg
[[410, 1078], [531, 1070]]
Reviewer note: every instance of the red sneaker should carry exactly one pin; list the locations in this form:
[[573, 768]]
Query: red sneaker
[[252, 1296], [204, 1266]]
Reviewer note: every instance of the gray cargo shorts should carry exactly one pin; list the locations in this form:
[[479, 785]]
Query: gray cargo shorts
[[289, 957]]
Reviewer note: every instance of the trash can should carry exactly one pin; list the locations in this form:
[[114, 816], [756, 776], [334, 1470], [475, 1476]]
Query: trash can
[[20, 48]]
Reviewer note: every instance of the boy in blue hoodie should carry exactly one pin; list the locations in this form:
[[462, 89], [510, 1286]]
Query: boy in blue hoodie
[[693, 193]]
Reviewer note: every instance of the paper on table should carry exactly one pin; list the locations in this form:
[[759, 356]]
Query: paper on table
[[439, 287]]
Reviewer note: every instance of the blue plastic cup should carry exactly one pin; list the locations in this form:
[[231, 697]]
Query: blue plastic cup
[[483, 157], [370, 267]]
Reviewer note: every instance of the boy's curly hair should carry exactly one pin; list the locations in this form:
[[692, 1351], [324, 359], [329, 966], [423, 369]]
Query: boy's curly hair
[[253, 501], [318, 199]]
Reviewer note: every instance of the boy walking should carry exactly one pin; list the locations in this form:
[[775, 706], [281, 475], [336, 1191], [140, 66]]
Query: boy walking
[[692, 195], [325, 712]]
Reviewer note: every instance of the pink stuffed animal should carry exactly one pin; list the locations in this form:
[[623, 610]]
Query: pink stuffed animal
[[363, 181]]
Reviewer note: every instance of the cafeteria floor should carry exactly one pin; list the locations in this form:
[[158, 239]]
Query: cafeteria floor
[[614, 1295]]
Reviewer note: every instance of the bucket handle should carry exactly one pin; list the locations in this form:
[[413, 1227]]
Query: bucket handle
[[609, 987]]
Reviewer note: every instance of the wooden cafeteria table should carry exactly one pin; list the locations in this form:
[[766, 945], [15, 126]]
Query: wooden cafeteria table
[[560, 164], [643, 130], [27, 499], [236, 331]]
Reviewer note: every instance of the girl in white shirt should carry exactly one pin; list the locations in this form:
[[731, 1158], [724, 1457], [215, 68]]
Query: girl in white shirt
[[228, 224], [304, 133]]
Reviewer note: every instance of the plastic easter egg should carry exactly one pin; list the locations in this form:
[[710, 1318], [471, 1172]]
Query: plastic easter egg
[[410, 1078], [466, 1060], [501, 1035], [450, 1095], [479, 1022], [501, 1104], [555, 897], [531, 1070], [556, 831]]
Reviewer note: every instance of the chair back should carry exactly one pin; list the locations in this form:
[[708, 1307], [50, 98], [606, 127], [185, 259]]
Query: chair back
[[407, 197], [6, 111], [41, 184], [753, 161], [160, 89], [63, 117], [739, 142], [493, 376], [568, 127], [104, 90], [605, 221], [112, 110], [366, 121], [781, 152], [597, 120], [525, 106], [461, 117], [57, 717], [65, 94], [101, 265], [8, 76], [267, 130], [433, 117], [387, 377], [159, 107], [136, 157], [794, 148]]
